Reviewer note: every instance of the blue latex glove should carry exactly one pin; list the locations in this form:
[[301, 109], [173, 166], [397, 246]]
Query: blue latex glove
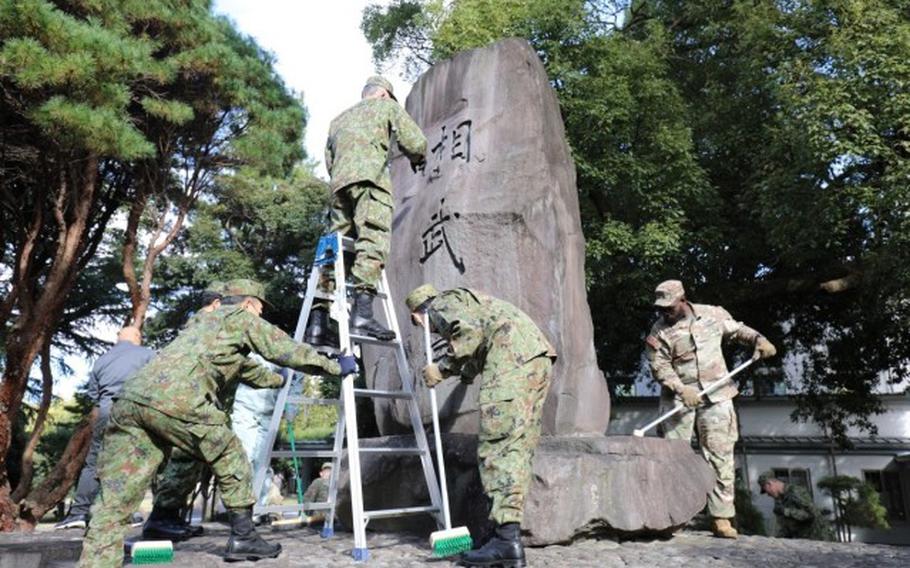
[[348, 364]]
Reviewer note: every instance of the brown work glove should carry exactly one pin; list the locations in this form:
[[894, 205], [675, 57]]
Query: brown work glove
[[763, 349], [432, 375], [690, 396]]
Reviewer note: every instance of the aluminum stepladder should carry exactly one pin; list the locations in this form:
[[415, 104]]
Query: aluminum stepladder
[[286, 398], [330, 252]]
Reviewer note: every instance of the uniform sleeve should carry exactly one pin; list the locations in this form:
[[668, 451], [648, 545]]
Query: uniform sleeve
[[259, 376], [309, 495], [277, 347], [661, 363], [93, 388], [798, 507], [409, 136], [462, 342], [736, 331]]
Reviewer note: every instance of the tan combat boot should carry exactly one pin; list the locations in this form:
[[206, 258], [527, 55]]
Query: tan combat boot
[[723, 529]]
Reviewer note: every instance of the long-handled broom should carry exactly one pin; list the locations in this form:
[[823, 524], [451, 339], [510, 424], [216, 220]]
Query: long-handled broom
[[448, 541]]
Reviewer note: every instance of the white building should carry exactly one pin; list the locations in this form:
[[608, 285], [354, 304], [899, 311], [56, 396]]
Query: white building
[[800, 453]]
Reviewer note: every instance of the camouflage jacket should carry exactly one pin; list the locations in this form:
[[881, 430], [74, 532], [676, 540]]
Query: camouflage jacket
[[475, 325], [193, 375], [689, 351], [359, 140], [798, 517]]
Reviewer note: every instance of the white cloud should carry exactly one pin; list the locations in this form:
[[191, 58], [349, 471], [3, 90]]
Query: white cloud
[[320, 52]]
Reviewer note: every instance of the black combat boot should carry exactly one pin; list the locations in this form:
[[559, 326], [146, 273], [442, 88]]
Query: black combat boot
[[245, 543], [362, 322], [503, 549], [167, 524], [318, 330]]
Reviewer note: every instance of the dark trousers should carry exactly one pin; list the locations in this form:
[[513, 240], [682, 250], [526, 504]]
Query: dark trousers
[[88, 486]]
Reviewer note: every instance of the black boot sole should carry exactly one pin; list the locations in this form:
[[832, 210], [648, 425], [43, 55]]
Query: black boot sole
[[161, 535], [243, 557], [498, 564], [384, 336]]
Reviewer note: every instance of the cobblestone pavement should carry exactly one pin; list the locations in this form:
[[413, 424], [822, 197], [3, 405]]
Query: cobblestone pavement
[[304, 548]]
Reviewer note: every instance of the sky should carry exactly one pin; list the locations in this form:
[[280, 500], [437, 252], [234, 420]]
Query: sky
[[320, 52]]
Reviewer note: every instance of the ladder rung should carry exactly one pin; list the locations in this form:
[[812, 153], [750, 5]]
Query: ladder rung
[[373, 341], [387, 513], [303, 454], [297, 399], [395, 451], [323, 295], [293, 508], [373, 393]]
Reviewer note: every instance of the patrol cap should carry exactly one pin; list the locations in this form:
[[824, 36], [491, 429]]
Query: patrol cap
[[419, 295], [326, 465], [245, 287], [216, 287], [668, 292], [764, 478], [380, 81]]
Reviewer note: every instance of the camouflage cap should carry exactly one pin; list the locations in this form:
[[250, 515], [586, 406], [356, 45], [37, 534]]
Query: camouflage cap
[[245, 287], [668, 292], [419, 295], [380, 81], [764, 478], [216, 287], [326, 465]]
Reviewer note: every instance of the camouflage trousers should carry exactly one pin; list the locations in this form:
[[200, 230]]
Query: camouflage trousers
[[511, 404], [178, 480], [717, 434], [362, 211], [137, 440]]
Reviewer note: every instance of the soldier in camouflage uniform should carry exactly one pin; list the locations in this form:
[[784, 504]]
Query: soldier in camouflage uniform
[[174, 402], [684, 352], [318, 491], [357, 158], [496, 341], [797, 516], [183, 470]]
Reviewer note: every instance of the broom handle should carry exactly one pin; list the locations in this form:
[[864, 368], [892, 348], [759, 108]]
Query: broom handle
[[709, 389], [438, 437]]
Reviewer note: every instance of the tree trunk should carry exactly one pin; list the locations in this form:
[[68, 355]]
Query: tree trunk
[[28, 455], [58, 482], [42, 304]]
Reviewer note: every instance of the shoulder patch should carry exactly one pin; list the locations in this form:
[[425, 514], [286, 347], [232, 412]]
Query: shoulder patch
[[652, 342]]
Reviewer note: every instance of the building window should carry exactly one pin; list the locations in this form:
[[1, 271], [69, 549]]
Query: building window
[[796, 476], [888, 486]]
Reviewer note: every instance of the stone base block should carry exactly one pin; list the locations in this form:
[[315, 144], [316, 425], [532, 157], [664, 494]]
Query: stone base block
[[617, 486]]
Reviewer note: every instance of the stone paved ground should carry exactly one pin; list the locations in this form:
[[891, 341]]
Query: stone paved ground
[[304, 548]]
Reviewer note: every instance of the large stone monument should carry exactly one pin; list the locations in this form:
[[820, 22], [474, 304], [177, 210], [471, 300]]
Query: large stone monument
[[496, 209]]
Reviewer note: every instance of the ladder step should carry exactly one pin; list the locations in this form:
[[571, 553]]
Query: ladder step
[[324, 296], [393, 451], [387, 513], [373, 341], [373, 393], [297, 399], [303, 454], [293, 508]]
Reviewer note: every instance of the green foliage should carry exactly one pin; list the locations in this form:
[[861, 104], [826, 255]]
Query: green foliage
[[858, 502], [259, 227], [758, 151], [749, 519]]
